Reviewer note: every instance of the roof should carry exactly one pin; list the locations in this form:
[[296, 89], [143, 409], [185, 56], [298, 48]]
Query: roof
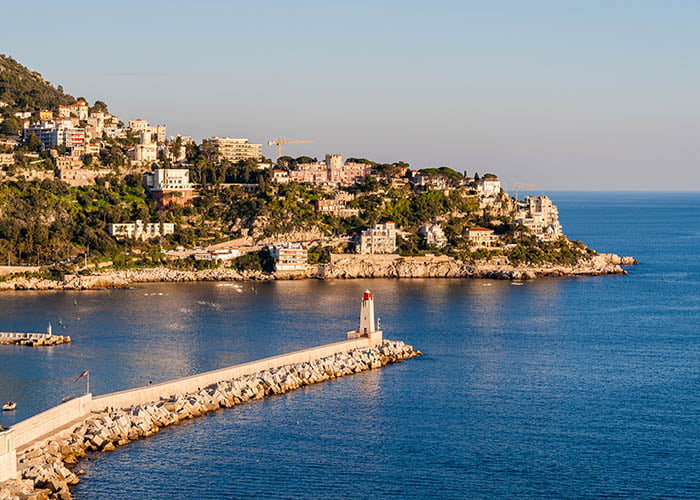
[[479, 229]]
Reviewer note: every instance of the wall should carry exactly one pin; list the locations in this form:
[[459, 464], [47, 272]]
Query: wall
[[195, 383], [8, 458], [50, 420]]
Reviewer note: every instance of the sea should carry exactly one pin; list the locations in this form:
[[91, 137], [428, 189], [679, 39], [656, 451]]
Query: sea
[[575, 387]]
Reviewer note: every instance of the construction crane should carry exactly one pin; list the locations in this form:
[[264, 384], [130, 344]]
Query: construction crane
[[285, 140], [520, 185]]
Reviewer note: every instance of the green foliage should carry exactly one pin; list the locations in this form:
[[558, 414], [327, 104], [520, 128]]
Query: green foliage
[[452, 175], [23, 89]]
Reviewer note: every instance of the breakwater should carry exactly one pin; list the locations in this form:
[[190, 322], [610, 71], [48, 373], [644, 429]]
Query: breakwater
[[41, 448], [33, 339]]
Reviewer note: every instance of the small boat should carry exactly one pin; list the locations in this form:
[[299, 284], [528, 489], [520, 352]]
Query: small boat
[[517, 283], [9, 406]]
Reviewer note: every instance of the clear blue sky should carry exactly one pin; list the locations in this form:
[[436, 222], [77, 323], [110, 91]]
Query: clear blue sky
[[564, 94]]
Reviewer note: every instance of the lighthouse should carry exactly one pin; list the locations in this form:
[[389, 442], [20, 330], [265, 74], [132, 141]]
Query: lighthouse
[[367, 327]]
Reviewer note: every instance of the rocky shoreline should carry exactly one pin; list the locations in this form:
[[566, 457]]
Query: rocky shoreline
[[45, 467], [340, 267]]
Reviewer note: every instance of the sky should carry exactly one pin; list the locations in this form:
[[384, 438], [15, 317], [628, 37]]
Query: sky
[[561, 94]]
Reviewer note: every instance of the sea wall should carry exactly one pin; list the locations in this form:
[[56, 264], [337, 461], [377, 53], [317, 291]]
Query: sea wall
[[49, 421], [8, 456], [195, 383], [44, 445]]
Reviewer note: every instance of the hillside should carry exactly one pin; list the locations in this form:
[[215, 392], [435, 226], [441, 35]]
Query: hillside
[[25, 90]]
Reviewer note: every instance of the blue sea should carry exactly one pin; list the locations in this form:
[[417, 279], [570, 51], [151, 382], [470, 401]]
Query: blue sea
[[584, 387]]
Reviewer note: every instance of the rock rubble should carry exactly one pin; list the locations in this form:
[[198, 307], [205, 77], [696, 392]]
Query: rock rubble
[[35, 340], [43, 467]]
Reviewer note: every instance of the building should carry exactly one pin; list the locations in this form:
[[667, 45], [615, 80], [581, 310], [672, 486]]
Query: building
[[335, 206], [221, 254], [145, 151], [139, 230], [368, 327], [56, 133], [280, 176], [489, 186], [330, 171], [289, 257], [169, 185], [235, 150], [45, 115], [137, 126], [433, 234], [380, 238], [480, 237], [540, 216]]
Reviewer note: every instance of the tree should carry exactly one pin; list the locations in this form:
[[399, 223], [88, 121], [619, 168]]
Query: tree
[[10, 126], [99, 107], [34, 144]]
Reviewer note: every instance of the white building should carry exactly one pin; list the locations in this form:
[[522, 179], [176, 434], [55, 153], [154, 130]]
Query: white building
[[490, 186], [280, 176], [380, 238], [138, 230], [169, 185], [222, 254], [289, 257], [235, 150], [541, 217], [481, 237], [434, 235]]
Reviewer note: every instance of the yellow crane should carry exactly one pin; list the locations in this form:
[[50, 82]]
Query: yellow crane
[[522, 185], [285, 140]]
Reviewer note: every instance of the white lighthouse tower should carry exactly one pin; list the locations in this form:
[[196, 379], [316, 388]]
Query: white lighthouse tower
[[367, 324]]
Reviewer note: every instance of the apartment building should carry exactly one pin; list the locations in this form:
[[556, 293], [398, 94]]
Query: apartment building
[[235, 150], [289, 257], [433, 235], [380, 238], [169, 185]]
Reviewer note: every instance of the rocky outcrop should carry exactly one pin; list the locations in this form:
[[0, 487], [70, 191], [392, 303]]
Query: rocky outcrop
[[44, 467], [344, 266]]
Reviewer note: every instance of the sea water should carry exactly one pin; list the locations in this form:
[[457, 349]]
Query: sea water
[[582, 387]]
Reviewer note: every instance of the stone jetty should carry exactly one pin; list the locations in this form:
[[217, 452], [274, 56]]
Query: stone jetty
[[48, 468], [33, 339]]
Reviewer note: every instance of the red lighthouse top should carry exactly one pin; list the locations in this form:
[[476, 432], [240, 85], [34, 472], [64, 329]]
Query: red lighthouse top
[[367, 295]]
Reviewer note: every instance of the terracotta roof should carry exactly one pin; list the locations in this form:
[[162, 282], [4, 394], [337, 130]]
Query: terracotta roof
[[479, 229]]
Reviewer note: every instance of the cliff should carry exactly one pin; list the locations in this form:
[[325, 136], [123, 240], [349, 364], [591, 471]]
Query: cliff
[[346, 266]]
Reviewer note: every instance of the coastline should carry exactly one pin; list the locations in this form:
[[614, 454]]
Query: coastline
[[345, 266]]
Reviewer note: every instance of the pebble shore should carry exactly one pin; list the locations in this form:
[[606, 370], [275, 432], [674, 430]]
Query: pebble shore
[[47, 469]]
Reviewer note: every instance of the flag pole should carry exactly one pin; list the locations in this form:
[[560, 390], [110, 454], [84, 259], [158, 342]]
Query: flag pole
[[87, 389]]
